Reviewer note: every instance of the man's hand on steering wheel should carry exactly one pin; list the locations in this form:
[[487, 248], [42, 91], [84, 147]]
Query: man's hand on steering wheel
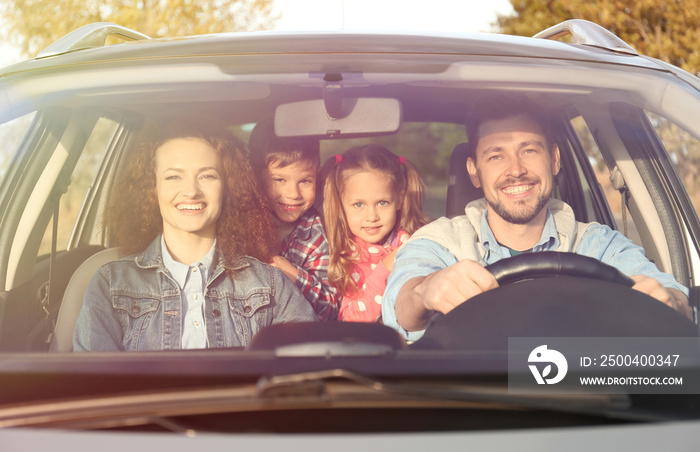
[[671, 297], [448, 288], [442, 291], [527, 266], [445, 290]]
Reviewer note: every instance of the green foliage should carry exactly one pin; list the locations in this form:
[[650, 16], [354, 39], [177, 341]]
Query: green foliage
[[665, 29], [35, 24], [684, 151], [427, 145]]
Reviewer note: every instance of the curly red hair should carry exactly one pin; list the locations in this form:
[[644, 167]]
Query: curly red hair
[[132, 219]]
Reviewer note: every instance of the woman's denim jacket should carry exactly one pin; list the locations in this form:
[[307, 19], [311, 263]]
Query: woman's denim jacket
[[134, 304]]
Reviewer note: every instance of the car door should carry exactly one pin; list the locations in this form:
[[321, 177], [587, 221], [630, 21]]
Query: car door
[[50, 199]]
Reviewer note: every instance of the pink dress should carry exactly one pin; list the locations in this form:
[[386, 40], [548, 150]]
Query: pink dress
[[370, 275]]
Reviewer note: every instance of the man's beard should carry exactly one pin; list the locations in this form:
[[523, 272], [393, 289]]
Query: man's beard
[[521, 213]]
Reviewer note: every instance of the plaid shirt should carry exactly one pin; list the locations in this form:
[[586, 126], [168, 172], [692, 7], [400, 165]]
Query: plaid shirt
[[306, 247]]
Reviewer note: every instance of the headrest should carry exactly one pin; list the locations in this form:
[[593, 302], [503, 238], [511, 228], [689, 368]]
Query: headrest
[[460, 190]]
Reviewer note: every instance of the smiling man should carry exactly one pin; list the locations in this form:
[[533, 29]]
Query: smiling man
[[514, 159]]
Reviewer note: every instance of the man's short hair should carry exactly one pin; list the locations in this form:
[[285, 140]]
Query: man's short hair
[[265, 147], [491, 107]]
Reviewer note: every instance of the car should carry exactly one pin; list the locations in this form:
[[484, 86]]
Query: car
[[627, 130]]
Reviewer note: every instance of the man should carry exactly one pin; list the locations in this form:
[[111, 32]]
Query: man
[[514, 159]]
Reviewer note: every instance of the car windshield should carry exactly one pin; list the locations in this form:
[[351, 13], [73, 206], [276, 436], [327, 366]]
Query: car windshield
[[627, 147]]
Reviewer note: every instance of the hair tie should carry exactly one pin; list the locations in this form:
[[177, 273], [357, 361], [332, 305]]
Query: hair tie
[[338, 158], [401, 159]]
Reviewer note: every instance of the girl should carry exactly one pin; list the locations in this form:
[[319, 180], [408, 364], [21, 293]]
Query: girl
[[372, 204], [187, 209]]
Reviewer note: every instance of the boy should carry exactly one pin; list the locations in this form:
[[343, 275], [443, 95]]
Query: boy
[[287, 170]]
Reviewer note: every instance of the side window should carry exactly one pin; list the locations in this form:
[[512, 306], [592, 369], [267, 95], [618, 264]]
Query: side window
[[684, 150], [614, 197], [81, 180], [11, 134]]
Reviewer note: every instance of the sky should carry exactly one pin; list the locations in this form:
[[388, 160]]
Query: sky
[[410, 15], [416, 15]]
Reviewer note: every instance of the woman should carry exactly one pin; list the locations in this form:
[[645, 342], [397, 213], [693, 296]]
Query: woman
[[187, 210]]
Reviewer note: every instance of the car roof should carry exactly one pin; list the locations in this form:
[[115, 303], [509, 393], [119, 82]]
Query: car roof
[[365, 42], [83, 69]]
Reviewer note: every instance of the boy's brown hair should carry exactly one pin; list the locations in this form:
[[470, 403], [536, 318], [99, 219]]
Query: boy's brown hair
[[266, 148]]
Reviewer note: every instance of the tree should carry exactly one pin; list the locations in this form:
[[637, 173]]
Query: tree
[[665, 29], [35, 24]]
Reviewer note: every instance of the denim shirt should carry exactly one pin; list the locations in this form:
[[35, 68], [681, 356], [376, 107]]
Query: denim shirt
[[423, 257], [135, 304], [191, 279]]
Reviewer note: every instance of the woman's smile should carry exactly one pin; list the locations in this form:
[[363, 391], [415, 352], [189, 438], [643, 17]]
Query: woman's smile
[[190, 207], [189, 187]]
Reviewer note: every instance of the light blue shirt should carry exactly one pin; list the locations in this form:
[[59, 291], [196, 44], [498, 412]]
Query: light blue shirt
[[423, 257], [192, 279]]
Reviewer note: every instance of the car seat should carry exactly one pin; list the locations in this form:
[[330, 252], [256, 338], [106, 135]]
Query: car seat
[[73, 298], [460, 190]]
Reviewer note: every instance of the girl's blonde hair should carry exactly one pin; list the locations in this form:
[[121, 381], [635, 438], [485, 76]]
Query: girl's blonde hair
[[408, 187]]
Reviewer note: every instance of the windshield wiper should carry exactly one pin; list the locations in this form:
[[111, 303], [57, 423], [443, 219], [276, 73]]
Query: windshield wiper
[[316, 384]]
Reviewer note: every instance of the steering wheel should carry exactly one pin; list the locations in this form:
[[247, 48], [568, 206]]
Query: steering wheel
[[552, 263], [551, 294]]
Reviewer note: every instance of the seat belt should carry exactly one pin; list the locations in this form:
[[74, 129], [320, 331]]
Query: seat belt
[[46, 301], [618, 183]]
